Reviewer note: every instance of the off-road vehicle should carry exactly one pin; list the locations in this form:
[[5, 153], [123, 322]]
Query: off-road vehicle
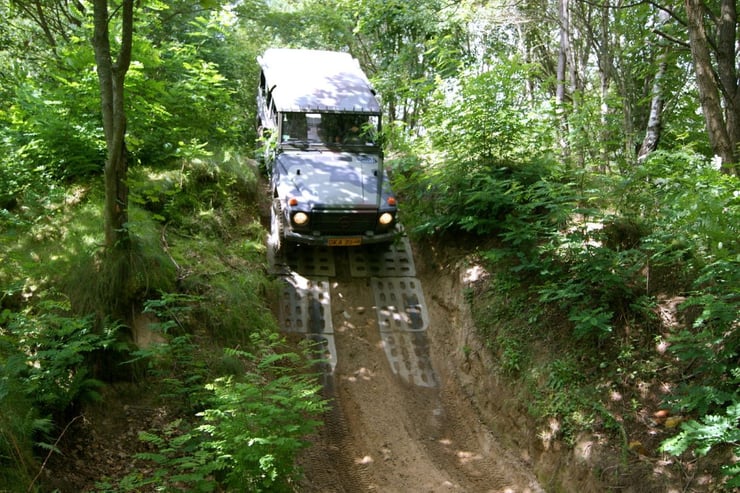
[[319, 124]]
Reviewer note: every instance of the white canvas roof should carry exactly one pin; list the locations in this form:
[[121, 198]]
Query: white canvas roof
[[317, 80]]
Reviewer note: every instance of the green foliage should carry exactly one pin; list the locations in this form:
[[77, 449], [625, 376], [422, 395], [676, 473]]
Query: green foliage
[[203, 181], [246, 438], [231, 285], [511, 356], [592, 282], [53, 243], [491, 162], [692, 205], [505, 318], [270, 412], [403, 44], [478, 199], [177, 99], [209, 208], [694, 211], [711, 431], [179, 95], [180, 100], [486, 121], [674, 225], [178, 365], [179, 463], [20, 421], [55, 121], [711, 346], [44, 375], [56, 346], [601, 271], [109, 282], [565, 398], [591, 322]]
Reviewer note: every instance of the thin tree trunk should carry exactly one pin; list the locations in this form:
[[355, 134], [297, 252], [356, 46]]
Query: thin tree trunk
[[652, 135], [605, 72], [563, 52], [526, 57], [111, 77], [561, 77]]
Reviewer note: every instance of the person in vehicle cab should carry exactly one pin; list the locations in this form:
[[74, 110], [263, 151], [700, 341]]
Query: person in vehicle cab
[[353, 136]]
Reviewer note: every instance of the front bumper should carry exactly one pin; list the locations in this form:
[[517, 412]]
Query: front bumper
[[342, 240]]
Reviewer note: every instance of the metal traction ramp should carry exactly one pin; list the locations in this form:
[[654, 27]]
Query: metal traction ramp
[[400, 306]]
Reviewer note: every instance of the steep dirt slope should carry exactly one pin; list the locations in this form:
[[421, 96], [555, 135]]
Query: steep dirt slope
[[397, 431]]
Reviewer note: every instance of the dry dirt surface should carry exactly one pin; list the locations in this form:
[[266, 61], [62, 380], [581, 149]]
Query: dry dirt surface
[[400, 421]]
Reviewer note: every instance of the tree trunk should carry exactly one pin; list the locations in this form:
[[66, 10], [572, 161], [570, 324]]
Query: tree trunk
[[561, 78], [563, 51], [652, 135], [111, 76], [714, 88], [527, 58], [728, 65], [605, 73]]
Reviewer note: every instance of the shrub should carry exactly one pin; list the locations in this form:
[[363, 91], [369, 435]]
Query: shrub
[[486, 156], [710, 431], [21, 423], [44, 376], [56, 347], [249, 433]]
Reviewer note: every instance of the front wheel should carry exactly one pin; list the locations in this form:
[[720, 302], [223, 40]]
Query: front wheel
[[275, 240]]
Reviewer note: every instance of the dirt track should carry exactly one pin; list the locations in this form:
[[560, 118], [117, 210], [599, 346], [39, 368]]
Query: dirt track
[[389, 432]]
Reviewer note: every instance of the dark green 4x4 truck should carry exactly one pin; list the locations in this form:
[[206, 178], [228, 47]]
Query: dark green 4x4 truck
[[319, 124]]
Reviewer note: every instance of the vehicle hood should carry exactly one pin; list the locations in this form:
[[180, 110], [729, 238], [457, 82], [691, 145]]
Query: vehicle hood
[[327, 179]]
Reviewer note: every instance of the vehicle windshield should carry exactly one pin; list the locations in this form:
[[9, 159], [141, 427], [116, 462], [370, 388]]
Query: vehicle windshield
[[333, 129]]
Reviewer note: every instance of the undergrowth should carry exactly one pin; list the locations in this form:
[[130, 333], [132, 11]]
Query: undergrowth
[[241, 414], [584, 276], [196, 269]]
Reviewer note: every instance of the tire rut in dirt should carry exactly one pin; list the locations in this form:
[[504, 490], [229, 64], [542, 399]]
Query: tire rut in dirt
[[336, 471]]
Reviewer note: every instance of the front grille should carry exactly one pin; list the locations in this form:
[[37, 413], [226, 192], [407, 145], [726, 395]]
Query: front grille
[[343, 222]]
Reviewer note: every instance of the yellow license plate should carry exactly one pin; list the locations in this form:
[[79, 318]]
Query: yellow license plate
[[354, 241]]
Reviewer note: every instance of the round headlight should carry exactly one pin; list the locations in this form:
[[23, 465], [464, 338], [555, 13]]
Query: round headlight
[[300, 218], [385, 218]]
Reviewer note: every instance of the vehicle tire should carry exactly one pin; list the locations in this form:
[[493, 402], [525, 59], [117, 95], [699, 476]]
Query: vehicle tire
[[276, 227]]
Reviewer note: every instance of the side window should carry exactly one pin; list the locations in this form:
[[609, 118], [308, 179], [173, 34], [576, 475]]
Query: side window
[[371, 129], [358, 129]]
